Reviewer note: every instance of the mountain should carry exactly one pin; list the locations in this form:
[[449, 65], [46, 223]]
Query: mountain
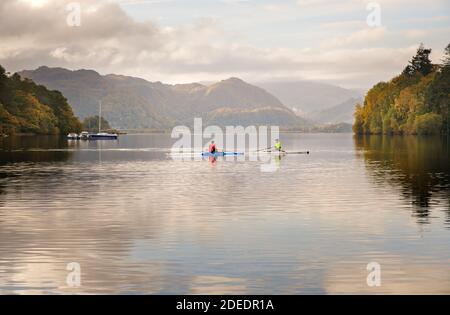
[[332, 128], [342, 113], [133, 103], [307, 98], [126, 101], [26, 107]]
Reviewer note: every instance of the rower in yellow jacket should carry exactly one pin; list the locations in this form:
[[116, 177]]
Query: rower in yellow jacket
[[278, 145]]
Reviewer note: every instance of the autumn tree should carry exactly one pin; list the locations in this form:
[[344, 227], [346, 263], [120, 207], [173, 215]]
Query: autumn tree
[[27, 107], [415, 102]]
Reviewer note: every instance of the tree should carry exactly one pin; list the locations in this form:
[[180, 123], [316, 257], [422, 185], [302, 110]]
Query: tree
[[420, 63], [415, 102], [27, 107], [91, 124], [437, 96], [428, 124], [358, 126], [8, 123], [446, 60], [3, 78]]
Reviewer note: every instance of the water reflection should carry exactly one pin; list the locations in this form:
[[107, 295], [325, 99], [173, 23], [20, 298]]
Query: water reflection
[[34, 149], [419, 166], [138, 221]]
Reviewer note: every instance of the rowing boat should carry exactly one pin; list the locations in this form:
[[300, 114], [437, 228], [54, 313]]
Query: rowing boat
[[218, 154], [222, 154], [282, 152]]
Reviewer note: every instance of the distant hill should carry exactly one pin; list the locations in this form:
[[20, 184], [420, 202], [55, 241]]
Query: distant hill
[[26, 107], [133, 103], [309, 98], [342, 113], [333, 128]]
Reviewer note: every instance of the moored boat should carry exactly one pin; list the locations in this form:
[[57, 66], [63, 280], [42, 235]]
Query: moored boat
[[73, 136], [103, 136], [84, 135]]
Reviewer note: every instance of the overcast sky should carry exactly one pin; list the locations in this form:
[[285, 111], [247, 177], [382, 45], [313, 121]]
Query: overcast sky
[[178, 41]]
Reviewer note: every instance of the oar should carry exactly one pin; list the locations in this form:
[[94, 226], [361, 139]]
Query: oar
[[264, 149], [302, 152]]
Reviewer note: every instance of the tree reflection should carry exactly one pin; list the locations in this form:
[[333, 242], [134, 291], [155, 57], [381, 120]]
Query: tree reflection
[[26, 151], [33, 149], [418, 166]]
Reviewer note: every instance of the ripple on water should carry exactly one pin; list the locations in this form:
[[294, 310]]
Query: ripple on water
[[139, 222]]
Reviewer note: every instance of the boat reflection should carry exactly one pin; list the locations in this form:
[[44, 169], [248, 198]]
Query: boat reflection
[[213, 160]]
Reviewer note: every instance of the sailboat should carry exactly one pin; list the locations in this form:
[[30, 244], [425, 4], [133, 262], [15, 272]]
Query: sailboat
[[102, 135]]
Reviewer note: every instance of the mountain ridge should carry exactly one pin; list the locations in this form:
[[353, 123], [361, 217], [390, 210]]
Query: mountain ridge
[[307, 98], [130, 102], [341, 113]]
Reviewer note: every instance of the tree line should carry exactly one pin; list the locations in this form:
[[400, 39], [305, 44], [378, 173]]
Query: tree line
[[92, 124], [26, 107], [415, 102]]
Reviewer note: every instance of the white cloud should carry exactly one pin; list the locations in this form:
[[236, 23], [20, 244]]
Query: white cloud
[[415, 34], [349, 24], [362, 37], [35, 3], [110, 41]]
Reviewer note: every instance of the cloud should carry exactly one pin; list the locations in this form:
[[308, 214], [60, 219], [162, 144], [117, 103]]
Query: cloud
[[307, 3], [348, 24], [362, 37], [131, 2], [331, 7], [110, 41], [415, 34]]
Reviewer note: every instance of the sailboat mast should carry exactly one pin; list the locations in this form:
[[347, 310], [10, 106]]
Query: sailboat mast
[[100, 118]]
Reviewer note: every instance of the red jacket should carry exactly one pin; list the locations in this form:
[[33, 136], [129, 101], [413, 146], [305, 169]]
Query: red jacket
[[212, 148]]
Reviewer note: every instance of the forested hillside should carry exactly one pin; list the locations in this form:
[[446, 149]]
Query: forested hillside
[[133, 103], [415, 102], [29, 108]]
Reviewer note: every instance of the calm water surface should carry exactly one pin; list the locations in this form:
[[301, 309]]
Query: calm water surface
[[139, 222]]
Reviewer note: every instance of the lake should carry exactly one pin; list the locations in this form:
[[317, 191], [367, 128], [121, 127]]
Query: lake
[[138, 222]]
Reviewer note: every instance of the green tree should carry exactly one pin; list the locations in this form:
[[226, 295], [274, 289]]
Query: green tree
[[428, 124], [437, 96], [3, 76], [27, 107], [420, 63], [446, 60], [3, 79], [91, 124], [8, 123]]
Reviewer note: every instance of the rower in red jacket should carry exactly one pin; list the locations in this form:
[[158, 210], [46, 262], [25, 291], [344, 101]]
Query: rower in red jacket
[[212, 148]]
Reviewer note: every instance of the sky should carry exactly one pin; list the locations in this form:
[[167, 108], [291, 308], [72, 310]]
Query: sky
[[350, 43]]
